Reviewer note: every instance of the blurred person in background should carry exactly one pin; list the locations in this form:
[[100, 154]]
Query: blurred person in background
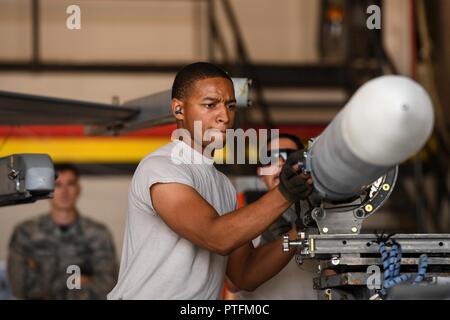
[[42, 250]]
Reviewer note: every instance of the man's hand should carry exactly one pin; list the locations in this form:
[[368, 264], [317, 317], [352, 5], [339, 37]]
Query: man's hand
[[294, 185]]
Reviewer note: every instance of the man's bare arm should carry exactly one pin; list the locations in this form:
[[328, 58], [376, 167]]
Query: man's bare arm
[[249, 267], [193, 218]]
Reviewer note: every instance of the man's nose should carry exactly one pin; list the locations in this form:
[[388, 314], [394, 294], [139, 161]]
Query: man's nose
[[223, 115]]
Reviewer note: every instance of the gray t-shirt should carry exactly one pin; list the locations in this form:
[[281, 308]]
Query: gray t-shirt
[[156, 262]]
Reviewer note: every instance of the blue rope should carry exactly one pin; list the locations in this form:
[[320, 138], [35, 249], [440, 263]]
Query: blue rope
[[399, 262], [392, 263], [392, 259], [384, 257], [423, 264]]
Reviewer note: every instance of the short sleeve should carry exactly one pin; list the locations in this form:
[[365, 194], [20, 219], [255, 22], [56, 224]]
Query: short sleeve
[[160, 170]]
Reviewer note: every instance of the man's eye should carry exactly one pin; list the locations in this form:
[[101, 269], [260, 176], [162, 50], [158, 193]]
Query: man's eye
[[209, 105], [231, 106]]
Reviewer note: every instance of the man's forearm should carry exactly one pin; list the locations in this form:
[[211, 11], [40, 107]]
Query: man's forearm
[[265, 261], [241, 226]]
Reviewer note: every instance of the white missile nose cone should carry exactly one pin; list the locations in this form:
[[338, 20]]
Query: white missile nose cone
[[388, 120]]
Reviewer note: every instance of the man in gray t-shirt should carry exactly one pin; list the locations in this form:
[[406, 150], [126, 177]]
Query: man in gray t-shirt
[[184, 232]]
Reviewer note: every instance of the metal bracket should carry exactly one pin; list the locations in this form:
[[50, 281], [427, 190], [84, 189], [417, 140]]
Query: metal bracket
[[348, 218]]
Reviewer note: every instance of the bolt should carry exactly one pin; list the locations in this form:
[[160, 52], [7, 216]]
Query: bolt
[[315, 212], [368, 207], [13, 174], [299, 260], [360, 213], [354, 229], [335, 261], [285, 243], [325, 230], [386, 187]]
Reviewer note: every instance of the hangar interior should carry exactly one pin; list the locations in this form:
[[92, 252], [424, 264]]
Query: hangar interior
[[305, 59]]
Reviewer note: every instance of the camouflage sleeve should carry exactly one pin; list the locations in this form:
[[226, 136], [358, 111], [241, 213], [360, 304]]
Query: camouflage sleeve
[[104, 268], [17, 262]]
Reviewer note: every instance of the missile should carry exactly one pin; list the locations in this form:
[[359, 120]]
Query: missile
[[385, 122], [26, 178]]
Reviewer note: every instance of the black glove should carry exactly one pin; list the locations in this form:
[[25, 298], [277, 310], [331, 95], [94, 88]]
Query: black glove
[[292, 185]]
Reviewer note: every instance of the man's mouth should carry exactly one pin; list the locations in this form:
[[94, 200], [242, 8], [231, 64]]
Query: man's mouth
[[218, 130]]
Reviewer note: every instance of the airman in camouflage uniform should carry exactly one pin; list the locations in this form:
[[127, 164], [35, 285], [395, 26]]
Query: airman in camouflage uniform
[[62, 255], [40, 253]]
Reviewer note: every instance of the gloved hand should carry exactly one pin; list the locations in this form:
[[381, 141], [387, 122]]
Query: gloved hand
[[294, 185]]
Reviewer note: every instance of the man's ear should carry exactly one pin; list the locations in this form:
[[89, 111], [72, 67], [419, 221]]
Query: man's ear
[[177, 109]]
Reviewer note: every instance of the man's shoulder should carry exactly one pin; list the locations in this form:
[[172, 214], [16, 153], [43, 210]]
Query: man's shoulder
[[160, 157], [164, 162], [93, 225], [225, 180], [34, 223], [30, 229], [96, 233], [163, 151]]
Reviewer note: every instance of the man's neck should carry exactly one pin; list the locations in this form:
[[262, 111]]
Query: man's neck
[[63, 217], [195, 144]]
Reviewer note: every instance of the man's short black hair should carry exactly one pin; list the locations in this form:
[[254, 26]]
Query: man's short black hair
[[67, 167], [186, 77], [291, 137]]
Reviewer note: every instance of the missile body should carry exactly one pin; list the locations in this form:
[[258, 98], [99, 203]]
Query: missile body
[[386, 121]]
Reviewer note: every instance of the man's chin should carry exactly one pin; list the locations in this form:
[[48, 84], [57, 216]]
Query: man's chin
[[218, 147], [63, 207], [216, 143]]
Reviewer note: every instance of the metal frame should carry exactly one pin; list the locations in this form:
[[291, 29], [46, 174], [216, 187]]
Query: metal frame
[[353, 245], [348, 257]]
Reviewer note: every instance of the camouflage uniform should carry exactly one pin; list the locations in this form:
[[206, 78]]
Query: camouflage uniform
[[40, 252]]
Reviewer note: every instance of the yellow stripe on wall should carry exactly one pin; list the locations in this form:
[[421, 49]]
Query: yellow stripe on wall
[[95, 150], [85, 150]]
